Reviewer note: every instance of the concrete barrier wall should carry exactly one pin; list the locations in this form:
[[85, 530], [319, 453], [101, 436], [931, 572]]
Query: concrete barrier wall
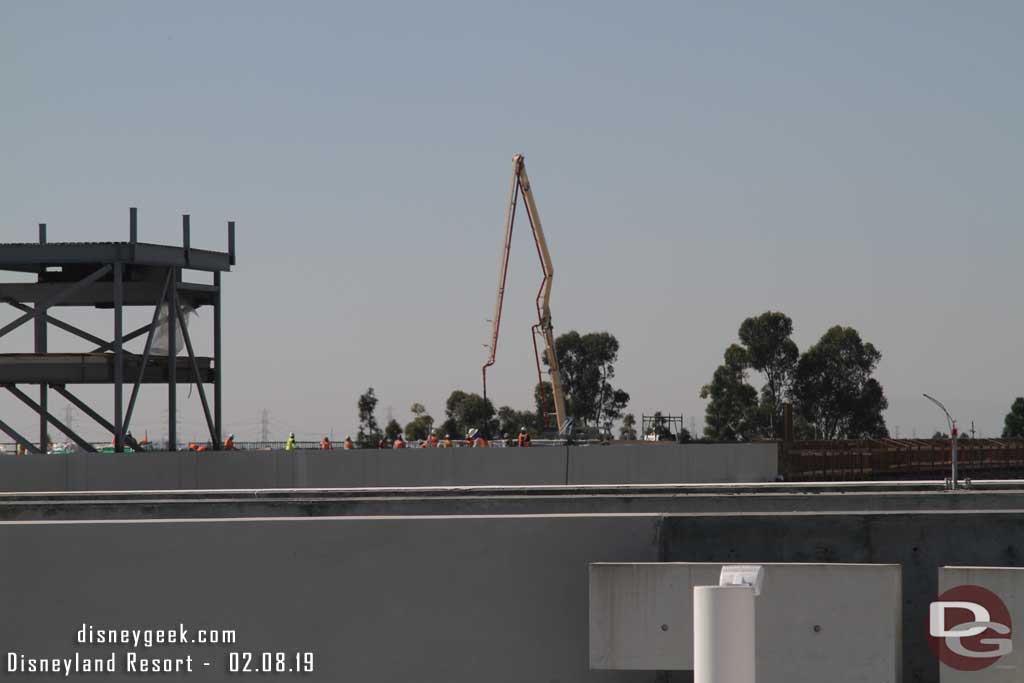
[[815, 622], [445, 600], [635, 464], [919, 542]]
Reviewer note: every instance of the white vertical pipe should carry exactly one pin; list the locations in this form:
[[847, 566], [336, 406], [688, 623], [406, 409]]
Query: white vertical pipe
[[723, 634]]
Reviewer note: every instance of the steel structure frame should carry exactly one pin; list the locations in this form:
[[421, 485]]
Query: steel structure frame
[[112, 275]]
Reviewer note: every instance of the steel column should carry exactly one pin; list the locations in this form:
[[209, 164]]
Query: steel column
[[172, 361], [40, 347], [118, 358], [218, 415]]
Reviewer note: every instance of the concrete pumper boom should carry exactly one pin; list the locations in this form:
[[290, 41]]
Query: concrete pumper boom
[[544, 328]]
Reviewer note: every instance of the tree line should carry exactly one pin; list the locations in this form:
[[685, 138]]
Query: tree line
[[587, 365], [830, 384]]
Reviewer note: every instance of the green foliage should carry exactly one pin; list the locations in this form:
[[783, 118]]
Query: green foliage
[[660, 428], [511, 420], [1013, 424], [628, 430], [391, 430], [544, 402], [834, 389], [369, 431], [587, 364], [772, 352], [469, 411], [421, 424], [732, 403], [451, 428]]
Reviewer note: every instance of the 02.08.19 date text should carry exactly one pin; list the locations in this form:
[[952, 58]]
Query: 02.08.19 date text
[[270, 662]]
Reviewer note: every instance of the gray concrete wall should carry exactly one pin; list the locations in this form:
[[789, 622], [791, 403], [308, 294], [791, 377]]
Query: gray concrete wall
[[814, 622], [636, 464], [508, 500], [446, 600], [920, 542]]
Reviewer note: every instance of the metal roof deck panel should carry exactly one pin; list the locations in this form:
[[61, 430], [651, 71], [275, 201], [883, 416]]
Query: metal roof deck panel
[[21, 254]]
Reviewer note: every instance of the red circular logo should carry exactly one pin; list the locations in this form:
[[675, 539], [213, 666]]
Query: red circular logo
[[969, 628]]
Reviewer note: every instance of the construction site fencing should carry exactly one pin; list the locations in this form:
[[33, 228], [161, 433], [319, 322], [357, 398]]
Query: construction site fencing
[[858, 459]]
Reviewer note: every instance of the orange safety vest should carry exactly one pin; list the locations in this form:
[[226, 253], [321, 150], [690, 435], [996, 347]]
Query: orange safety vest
[[481, 442], [348, 444], [325, 445], [201, 448], [524, 440], [399, 443], [432, 441], [229, 444], [447, 443]]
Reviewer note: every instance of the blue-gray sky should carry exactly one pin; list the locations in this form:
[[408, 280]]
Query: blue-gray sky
[[694, 164]]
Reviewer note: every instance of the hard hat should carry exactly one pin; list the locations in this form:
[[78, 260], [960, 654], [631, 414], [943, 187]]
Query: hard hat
[[447, 436], [348, 438], [522, 429], [291, 435], [473, 432], [231, 436], [433, 431]]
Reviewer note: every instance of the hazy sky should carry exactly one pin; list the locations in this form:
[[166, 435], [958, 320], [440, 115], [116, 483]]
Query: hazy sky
[[694, 164]]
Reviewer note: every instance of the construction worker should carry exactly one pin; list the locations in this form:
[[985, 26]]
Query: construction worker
[[524, 438], [480, 441], [289, 445], [202, 449], [399, 442], [348, 445], [229, 443], [470, 437], [325, 444], [447, 443], [432, 439]]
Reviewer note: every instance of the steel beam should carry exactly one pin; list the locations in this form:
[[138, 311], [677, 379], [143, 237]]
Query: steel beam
[[60, 324], [195, 373], [84, 407], [145, 353], [134, 334], [9, 431], [47, 417], [56, 298]]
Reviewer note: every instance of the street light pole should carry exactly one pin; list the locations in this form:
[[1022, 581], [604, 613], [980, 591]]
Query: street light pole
[[952, 435]]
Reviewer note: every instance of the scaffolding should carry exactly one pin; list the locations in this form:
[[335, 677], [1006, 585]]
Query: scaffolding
[[112, 275]]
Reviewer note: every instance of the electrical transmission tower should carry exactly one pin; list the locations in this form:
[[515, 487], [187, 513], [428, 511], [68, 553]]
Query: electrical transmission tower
[[265, 425]]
